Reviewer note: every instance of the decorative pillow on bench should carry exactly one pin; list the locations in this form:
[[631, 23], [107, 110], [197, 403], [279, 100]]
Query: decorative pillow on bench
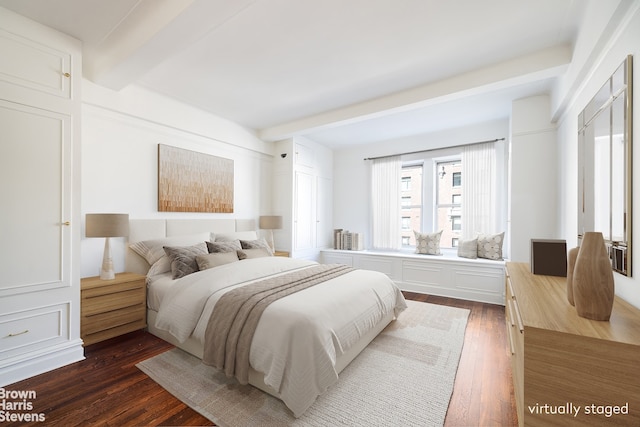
[[428, 244], [468, 248], [490, 246]]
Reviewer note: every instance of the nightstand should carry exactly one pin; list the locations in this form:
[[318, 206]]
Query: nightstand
[[281, 253], [110, 308]]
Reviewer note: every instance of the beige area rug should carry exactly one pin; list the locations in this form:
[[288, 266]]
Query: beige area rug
[[403, 378]]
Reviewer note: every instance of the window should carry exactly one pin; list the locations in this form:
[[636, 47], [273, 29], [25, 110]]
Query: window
[[457, 179], [456, 223], [433, 188], [445, 205], [411, 205], [406, 223], [406, 183], [449, 192]]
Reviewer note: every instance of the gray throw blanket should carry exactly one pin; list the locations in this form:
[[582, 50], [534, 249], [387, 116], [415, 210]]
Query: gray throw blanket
[[236, 314]]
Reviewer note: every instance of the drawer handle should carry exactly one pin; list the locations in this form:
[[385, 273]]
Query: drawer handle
[[511, 346], [516, 310], [26, 331], [511, 314], [513, 295]]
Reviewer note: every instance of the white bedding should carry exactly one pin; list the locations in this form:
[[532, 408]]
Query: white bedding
[[300, 336], [157, 287]]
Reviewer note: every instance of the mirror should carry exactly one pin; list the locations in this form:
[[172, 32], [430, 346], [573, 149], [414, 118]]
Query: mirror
[[604, 166]]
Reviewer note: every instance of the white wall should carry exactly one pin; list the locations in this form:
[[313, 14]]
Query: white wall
[[120, 136], [533, 185], [623, 41], [351, 181]]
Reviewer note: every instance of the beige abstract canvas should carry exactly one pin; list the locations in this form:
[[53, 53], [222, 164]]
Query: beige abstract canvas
[[189, 181]]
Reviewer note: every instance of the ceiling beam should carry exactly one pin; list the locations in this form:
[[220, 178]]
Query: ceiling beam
[[153, 31], [536, 66]]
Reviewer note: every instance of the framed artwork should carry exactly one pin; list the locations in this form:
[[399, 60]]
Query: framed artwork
[[189, 181]]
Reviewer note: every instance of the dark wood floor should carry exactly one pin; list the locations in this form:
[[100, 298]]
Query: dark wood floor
[[106, 389]]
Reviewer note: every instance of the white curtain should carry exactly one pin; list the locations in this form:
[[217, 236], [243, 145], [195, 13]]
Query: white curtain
[[478, 204], [385, 201]]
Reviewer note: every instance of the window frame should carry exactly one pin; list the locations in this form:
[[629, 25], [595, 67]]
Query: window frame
[[454, 209], [407, 209]]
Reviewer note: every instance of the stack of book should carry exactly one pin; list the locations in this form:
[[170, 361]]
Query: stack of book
[[346, 240]]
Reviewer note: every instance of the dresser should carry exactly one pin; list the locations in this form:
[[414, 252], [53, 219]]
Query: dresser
[[112, 307], [568, 370]]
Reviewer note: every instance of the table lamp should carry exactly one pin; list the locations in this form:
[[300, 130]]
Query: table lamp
[[107, 225], [270, 222]]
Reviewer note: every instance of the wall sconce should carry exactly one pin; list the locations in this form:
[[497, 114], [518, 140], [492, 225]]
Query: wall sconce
[[107, 225]]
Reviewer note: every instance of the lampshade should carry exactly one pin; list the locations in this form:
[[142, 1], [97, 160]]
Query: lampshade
[[107, 225], [270, 222]]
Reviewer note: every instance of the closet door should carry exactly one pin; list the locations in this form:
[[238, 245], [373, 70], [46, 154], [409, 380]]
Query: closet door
[[304, 216], [40, 74], [324, 230], [35, 189]]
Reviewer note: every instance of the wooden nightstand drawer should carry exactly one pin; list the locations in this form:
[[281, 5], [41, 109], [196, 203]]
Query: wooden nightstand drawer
[[93, 323], [112, 332], [112, 307], [95, 303]]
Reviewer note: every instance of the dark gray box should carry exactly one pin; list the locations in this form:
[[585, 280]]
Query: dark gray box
[[549, 257]]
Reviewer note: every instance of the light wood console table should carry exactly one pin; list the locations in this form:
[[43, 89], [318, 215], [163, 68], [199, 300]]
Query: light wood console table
[[568, 370]]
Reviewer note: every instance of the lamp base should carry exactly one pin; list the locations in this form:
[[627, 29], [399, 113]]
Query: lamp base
[[106, 271], [107, 274]]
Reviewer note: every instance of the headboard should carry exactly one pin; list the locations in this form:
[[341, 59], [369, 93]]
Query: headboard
[[147, 229]]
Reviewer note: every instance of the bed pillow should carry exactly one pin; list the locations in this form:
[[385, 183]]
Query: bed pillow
[[152, 250], [468, 248], [256, 244], [163, 265], [490, 246], [254, 253], [428, 244], [218, 247], [215, 259], [237, 235], [183, 258]]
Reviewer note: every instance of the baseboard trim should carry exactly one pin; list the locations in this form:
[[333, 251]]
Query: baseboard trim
[[467, 295], [32, 364]]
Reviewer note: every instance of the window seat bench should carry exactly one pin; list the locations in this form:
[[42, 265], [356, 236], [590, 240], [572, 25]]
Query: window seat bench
[[445, 275]]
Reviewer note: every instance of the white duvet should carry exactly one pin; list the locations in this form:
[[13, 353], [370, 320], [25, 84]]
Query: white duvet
[[298, 337]]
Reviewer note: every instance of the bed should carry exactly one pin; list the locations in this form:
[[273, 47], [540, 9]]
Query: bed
[[301, 342]]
